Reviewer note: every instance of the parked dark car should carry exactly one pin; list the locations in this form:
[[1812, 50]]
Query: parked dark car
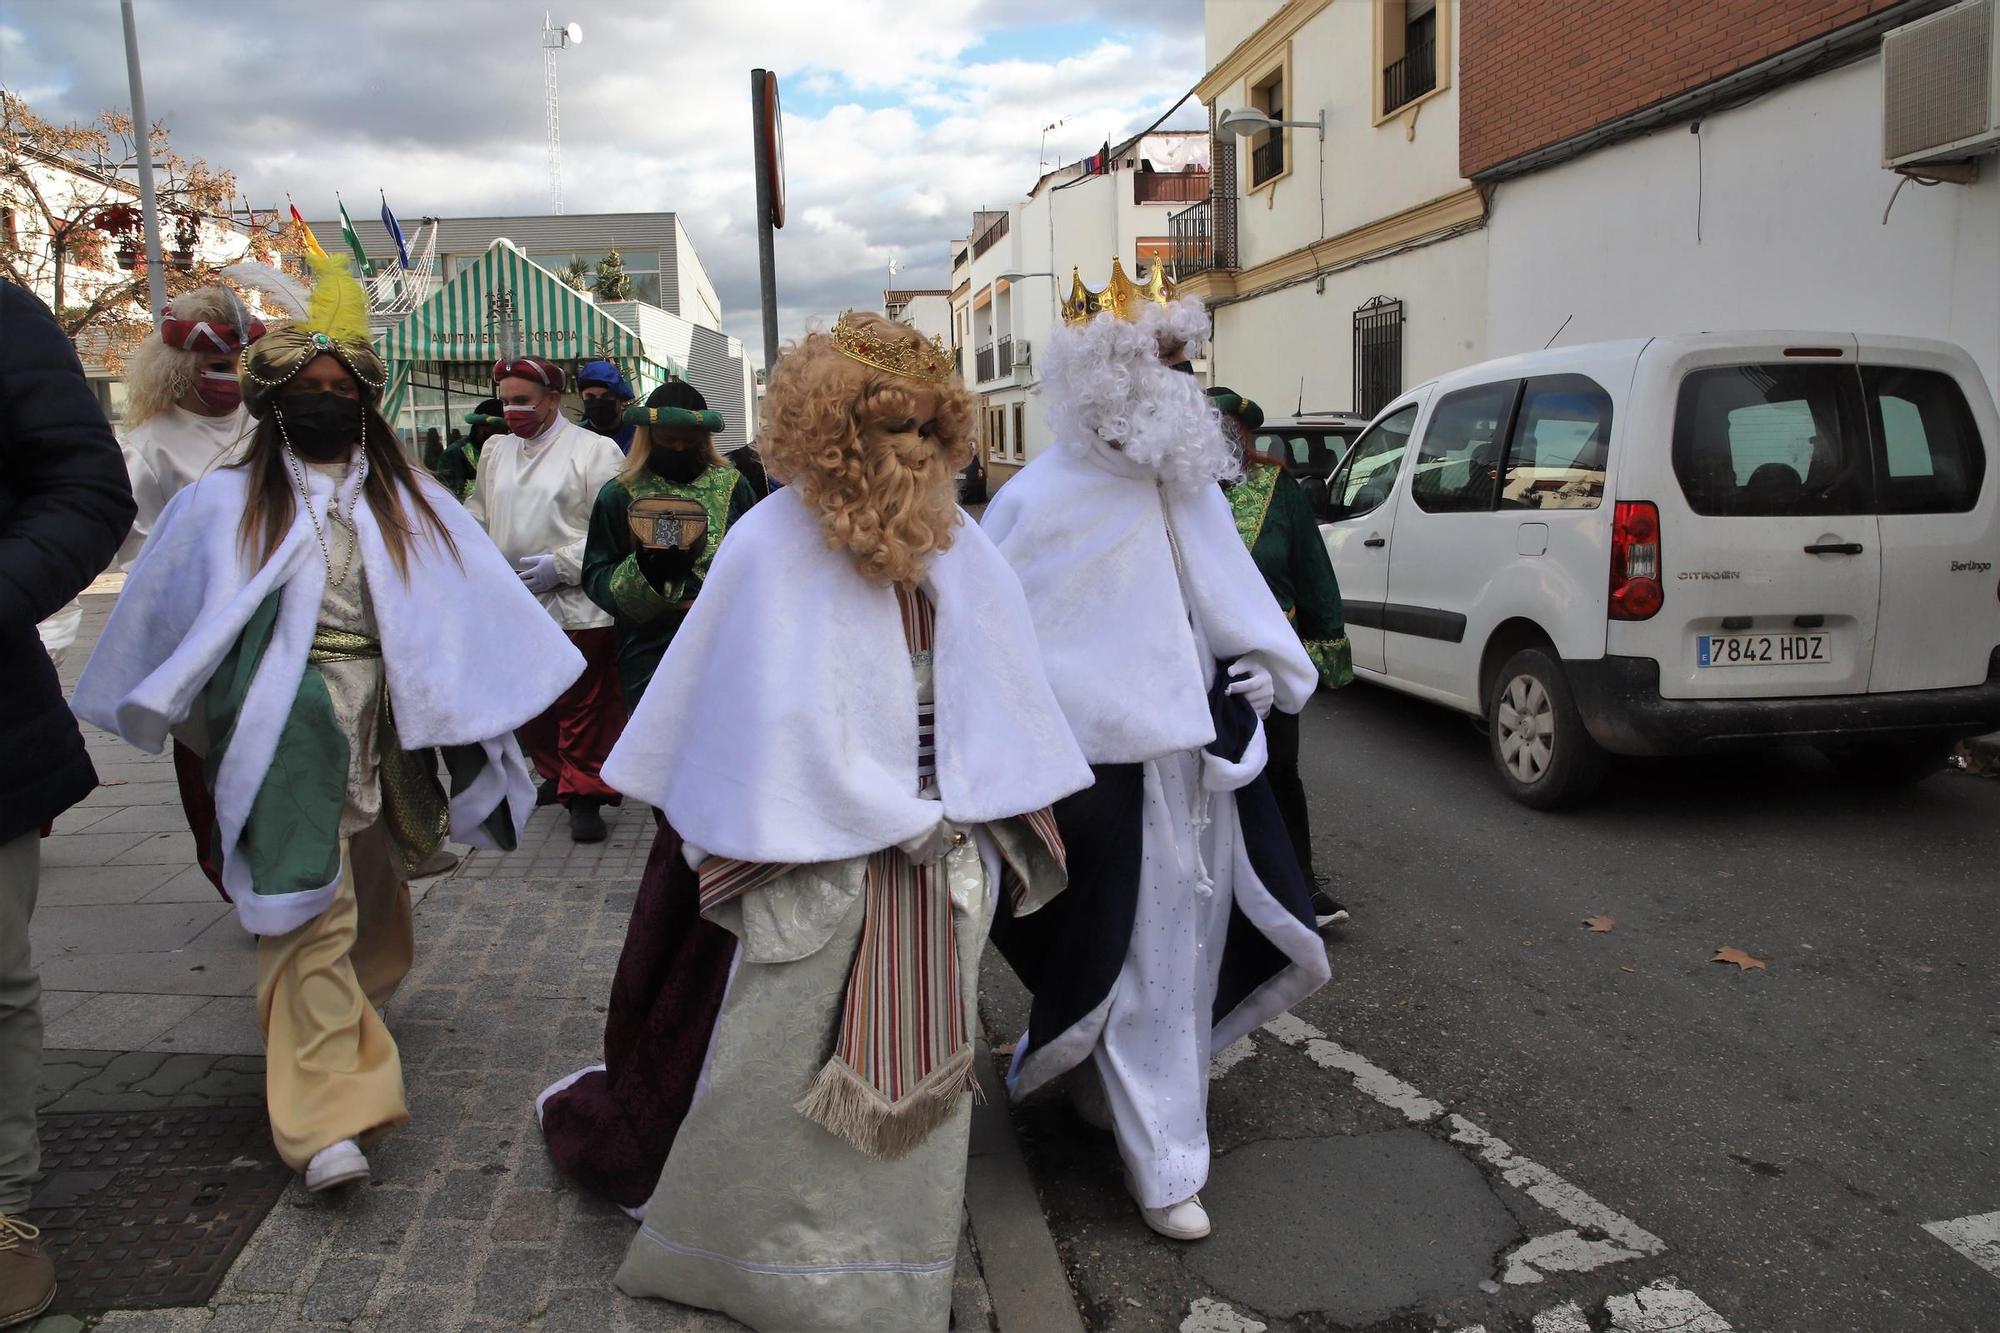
[[972, 481], [1311, 445]]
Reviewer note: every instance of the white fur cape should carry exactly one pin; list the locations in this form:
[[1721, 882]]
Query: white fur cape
[[1082, 525], [781, 726], [468, 652]]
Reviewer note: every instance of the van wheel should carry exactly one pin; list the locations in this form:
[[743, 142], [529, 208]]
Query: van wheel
[[1545, 756], [1888, 763]]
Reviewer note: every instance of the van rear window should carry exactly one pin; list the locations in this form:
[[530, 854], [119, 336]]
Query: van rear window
[[1930, 459], [1772, 441]]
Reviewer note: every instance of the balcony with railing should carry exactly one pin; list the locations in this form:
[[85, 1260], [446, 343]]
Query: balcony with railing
[[1003, 358], [982, 361], [1202, 237], [1267, 159], [1169, 187], [1405, 80], [992, 236]]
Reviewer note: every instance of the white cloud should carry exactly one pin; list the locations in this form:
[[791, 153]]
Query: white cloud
[[440, 104]]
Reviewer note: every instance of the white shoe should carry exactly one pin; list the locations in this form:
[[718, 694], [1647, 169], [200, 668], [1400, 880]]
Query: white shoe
[[337, 1165], [1186, 1220]]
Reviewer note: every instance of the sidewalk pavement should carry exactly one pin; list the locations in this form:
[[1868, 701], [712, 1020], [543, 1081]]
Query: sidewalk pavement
[[149, 995]]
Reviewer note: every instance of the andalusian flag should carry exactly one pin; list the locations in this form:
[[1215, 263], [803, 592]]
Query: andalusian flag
[[312, 241], [353, 238]]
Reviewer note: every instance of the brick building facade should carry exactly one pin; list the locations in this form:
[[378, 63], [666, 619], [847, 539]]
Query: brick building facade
[[1533, 73]]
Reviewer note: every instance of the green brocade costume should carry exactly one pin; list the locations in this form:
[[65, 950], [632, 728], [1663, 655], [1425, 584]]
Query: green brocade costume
[[458, 469], [1276, 522], [644, 617]]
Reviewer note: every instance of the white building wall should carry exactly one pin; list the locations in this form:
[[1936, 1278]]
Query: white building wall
[[1227, 22], [1790, 191], [1298, 343], [698, 300], [929, 313]]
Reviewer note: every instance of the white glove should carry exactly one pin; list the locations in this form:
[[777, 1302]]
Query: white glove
[[539, 573], [1253, 682]]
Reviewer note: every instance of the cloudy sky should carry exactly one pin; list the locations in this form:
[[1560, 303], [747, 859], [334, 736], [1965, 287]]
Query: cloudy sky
[[901, 116]]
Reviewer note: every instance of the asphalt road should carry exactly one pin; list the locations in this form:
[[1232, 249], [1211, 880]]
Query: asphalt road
[[1786, 1131]]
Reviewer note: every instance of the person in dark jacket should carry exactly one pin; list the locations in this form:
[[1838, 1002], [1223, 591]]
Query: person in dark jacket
[[65, 505], [458, 470]]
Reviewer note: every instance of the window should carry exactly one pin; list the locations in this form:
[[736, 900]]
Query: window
[[996, 433], [1772, 441], [1020, 430], [1928, 455], [1291, 451], [1369, 474], [1267, 150], [1458, 465], [1378, 354], [1562, 439], [1408, 33]]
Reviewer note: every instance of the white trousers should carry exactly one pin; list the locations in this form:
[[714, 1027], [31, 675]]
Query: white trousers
[[1153, 1053]]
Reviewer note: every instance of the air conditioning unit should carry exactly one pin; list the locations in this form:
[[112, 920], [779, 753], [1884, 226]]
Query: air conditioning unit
[[1024, 352], [1941, 86]]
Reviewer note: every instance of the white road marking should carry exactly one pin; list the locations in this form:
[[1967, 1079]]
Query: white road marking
[[1368, 1077], [1233, 1055], [1210, 1316], [1554, 1193], [1664, 1307], [1564, 1318], [1977, 1238], [1560, 1252]]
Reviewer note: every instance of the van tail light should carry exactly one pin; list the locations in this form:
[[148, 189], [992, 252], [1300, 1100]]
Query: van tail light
[[1636, 591]]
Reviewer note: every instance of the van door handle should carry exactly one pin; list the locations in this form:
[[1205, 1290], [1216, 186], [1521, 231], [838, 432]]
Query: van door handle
[[1834, 548], [1374, 541]]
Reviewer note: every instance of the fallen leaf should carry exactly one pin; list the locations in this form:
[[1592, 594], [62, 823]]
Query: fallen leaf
[[1005, 1048], [1599, 924], [111, 782], [1744, 962], [1627, 967]]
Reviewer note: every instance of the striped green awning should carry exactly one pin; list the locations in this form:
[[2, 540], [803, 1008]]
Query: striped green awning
[[504, 295]]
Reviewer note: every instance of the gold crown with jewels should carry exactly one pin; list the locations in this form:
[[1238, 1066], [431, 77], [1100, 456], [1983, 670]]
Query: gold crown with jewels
[[1121, 296], [928, 360]]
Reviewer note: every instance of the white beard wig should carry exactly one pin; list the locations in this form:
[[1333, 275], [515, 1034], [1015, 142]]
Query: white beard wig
[[1105, 380]]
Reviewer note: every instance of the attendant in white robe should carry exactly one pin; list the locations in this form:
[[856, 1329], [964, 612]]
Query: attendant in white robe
[[1188, 922], [183, 417], [851, 737], [304, 620], [536, 489]]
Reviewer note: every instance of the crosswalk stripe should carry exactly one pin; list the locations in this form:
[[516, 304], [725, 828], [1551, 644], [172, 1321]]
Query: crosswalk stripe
[[1977, 1238]]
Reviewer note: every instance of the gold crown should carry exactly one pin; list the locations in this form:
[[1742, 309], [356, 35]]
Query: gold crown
[[1121, 296], [930, 361]]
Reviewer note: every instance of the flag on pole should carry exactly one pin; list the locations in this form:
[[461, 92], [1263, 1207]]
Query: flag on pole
[[353, 237], [395, 232], [312, 241]]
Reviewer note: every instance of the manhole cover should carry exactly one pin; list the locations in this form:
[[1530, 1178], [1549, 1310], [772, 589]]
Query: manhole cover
[[147, 1209]]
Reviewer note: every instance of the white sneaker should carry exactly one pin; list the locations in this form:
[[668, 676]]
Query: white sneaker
[[337, 1165], [1186, 1220]]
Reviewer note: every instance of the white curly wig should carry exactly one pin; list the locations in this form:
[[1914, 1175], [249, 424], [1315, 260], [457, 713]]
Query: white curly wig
[[1105, 380], [159, 376]]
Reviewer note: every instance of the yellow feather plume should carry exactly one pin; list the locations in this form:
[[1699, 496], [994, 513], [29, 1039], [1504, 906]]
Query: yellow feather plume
[[339, 307]]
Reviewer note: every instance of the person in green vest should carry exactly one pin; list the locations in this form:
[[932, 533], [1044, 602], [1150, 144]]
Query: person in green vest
[[649, 586], [458, 470], [1276, 522]]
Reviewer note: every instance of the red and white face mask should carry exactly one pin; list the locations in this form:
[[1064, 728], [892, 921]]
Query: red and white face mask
[[220, 390], [525, 422]]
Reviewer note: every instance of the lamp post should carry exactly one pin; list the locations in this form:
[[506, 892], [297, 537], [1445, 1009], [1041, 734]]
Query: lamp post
[[1011, 278], [1246, 121], [156, 279]]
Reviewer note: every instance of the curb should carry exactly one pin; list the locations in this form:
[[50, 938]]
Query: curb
[[1017, 1254]]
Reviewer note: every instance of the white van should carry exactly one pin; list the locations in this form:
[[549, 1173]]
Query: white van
[[1685, 543]]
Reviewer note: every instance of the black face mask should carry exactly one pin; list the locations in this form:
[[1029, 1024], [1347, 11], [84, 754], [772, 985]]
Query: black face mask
[[679, 466], [321, 426], [603, 415]]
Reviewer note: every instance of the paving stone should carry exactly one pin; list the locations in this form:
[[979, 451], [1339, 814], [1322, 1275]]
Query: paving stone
[[89, 849], [119, 1022], [511, 1283], [593, 1241], [341, 1289], [582, 1310], [259, 1318], [217, 971], [377, 1219], [143, 819], [112, 929], [159, 849], [438, 1256], [223, 1026], [527, 1215], [464, 1194], [81, 884]]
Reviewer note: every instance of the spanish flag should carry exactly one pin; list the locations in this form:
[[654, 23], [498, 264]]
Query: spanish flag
[[312, 241]]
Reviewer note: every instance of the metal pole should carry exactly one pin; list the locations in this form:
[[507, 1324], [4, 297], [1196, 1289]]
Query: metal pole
[[767, 263], [156, 278]]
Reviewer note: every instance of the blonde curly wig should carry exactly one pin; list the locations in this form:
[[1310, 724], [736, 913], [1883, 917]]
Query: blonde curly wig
[[833, 429], [159, 376]]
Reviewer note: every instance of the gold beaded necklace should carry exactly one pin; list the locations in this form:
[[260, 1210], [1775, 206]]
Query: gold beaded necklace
[[335, 519]]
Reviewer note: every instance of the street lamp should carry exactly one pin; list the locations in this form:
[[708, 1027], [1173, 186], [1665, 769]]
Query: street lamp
[[1247, 121], [1011, 278]]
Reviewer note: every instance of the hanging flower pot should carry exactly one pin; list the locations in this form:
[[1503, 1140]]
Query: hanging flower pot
[[183, 259], [128, 256]]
